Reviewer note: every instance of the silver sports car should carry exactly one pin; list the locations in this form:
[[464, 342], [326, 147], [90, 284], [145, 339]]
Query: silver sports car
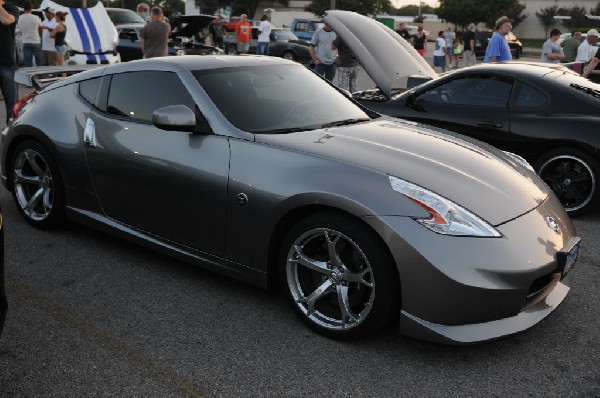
[[257, 168]]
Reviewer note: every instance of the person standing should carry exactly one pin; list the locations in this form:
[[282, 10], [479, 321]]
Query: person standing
[[449, 37], [322, 53], [570, 46], [154, 40], [403, 32], [457, 51], [497, 49], [347, 65], [588, 48], [420, 41], [439, 52], [58, 34], [30, 26], [215, 30], [243, 34], [48, 47], [469, 44], [9, 15], [264, 35], [591, 70], [552, 51]]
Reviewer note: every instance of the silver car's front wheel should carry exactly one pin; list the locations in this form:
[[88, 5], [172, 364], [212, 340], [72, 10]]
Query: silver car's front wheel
[[37, 188], [340, 281]]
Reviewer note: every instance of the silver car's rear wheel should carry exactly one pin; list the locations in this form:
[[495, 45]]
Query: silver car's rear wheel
[[340, 281], [37, 187]]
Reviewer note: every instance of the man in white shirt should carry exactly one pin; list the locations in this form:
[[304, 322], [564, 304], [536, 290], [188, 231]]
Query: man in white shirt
[[30, 25], [588, 48], [264, 36], [48, 47]]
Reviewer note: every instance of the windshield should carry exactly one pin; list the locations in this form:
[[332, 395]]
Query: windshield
[[283, 34], [275, 99], [124, 17]]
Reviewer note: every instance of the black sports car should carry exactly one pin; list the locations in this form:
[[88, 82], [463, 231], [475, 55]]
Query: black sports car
[[545, 113], [283, 44]]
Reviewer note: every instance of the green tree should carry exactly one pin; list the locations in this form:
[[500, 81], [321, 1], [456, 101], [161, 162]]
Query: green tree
[[576, 13], [596, 9], [546, 17], [463, 12], [364, 7]]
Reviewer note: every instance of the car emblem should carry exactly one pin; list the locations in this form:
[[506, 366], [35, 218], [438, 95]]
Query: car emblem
[[552, 224]]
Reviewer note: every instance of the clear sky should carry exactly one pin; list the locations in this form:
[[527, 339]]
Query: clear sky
[[402, 3]]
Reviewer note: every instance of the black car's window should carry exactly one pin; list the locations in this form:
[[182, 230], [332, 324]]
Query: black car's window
[[487, 91], [296, 99], [136, 95], [88, 90], [282, 34], [530, 97]]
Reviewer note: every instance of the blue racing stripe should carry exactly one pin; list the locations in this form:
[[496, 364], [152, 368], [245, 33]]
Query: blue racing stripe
[[82, 33], [93, 32]]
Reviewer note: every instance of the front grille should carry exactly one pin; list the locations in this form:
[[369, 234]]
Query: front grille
[[540, 288]]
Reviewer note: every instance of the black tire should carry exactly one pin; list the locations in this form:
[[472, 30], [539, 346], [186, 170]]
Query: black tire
[[289, 55], [573, 176], [38, 189], [231, 50], [352, 295]]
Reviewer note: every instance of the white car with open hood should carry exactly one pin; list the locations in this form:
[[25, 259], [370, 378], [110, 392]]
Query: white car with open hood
[[91, 35]]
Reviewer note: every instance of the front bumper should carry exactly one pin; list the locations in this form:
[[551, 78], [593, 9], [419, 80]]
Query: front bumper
[[462, 290]]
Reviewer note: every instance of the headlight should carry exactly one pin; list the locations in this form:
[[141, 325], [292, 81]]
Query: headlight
[[180, 52], [446, 217]]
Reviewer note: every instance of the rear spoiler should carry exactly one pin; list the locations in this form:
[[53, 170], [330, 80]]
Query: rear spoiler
[[40, 77]]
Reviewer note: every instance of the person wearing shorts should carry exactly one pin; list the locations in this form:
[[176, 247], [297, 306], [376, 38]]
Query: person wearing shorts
[[439, 52]]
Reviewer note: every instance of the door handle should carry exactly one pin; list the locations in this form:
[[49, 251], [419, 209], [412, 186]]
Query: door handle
[[490, 124], [89, 134]]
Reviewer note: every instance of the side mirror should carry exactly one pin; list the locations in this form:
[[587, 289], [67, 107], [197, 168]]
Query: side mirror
[[174, 118]]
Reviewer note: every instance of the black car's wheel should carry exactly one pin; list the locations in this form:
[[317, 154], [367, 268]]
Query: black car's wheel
[[289, 55], [231, 50], [37, 186], [573, 176], [339, 277]]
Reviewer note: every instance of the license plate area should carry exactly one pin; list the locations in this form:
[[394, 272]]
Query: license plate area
[[567, 256]]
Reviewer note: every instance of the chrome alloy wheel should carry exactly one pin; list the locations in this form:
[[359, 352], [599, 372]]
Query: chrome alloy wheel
[[572, 180], [330, 279], [33, 185]]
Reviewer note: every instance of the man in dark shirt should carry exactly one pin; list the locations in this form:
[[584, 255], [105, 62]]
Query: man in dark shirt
[[592, 70], [347, 65], [9, 15], [155, 35], [404, 33], [215, 30]]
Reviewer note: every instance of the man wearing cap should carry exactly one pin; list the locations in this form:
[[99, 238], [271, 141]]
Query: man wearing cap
[[588, 48], [48, 46], [9, 15], [498, 49]]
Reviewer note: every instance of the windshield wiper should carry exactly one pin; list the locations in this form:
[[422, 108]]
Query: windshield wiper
[[344, 122], [286, 130]]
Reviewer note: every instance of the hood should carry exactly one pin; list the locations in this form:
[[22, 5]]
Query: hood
[[480, 178], [89, 30], [387, 58], [189, 25]]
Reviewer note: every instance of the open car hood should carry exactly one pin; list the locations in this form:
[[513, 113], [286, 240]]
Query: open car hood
[[387, 58]]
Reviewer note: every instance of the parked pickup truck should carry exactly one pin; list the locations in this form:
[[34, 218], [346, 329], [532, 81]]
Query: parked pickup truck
[[305, 28]]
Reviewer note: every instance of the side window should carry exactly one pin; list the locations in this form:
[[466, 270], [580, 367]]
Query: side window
[[487, 91], [301, 27], [137, 95], [530, 97], [88, 90]]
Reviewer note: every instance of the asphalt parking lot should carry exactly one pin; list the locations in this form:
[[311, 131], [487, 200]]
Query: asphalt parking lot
[[92, 315]]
